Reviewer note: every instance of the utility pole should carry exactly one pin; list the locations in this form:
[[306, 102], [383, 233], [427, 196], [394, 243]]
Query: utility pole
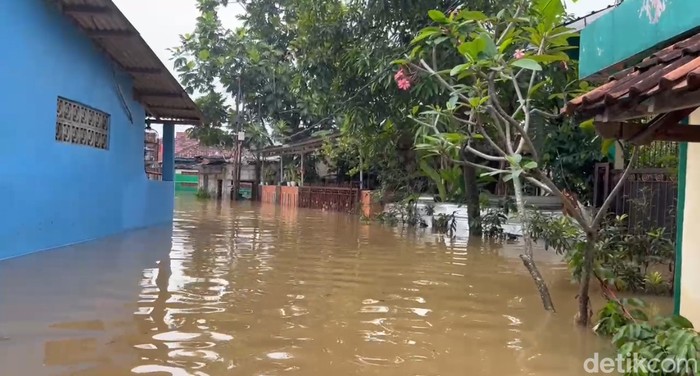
[[236, 157]]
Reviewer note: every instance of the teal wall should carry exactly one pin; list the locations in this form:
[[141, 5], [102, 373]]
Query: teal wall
[[632, 29], [182, 179]]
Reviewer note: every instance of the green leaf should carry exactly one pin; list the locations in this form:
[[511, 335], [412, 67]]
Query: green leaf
[[505, 44], [431, 173], [440, 40], [527, 63], [426, 33], [399, 62], [530, 165], [682, 322], [550, 10], [473, 48], [471, 15], [454, 138], [587, 125], [452, 103], [437, 16], [551, 58], [515, 159], [507, 177], [489, 45], [204, 54], [536, 87], [457, 69]]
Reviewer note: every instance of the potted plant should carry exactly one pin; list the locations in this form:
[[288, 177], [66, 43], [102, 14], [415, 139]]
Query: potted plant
[[292, 176]]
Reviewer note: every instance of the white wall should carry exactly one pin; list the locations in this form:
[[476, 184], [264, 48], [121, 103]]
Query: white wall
[[690, 278]]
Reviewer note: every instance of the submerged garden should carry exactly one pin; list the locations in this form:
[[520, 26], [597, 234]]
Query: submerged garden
[[461, 101]]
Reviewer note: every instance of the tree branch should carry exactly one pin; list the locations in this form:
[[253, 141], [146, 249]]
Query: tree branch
[[476, 165], [576, 212], [445, 84], [498, 120], [620, 183], [538, 183], [544, 113], [483, 155], [490, 140]]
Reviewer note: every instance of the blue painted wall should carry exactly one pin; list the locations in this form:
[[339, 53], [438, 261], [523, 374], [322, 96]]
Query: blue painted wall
[[57, 193]]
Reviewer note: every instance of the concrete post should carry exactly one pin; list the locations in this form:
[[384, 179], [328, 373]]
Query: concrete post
[[168, 152], [301, 183]]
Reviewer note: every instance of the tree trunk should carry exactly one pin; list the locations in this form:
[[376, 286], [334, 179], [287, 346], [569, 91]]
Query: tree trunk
[[528, 259], [471, 190], [585, 312]]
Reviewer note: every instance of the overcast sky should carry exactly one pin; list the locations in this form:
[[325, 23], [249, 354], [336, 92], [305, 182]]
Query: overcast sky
[[161, 22]]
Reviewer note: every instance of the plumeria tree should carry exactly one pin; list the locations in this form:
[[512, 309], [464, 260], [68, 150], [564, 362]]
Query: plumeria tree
[[501, 92]]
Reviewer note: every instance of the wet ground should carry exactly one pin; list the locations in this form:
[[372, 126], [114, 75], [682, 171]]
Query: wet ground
[[263, 290]]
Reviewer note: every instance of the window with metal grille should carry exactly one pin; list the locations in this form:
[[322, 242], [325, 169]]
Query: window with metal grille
[[81, 125]]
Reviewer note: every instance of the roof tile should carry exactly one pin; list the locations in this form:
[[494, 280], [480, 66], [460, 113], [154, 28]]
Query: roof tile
[[675, 68]]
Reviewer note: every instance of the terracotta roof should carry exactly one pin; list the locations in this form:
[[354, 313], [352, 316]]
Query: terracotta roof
[[154, 87], [304, 146], [672, 70], [186, 147]]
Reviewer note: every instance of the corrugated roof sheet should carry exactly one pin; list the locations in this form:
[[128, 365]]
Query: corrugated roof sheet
[[674, 69], [154, 87]]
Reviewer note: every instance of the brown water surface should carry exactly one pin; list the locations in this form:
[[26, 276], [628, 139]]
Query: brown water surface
[[263, 290]]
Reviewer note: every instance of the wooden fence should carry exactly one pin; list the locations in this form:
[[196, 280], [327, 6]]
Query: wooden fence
[[648, 196]]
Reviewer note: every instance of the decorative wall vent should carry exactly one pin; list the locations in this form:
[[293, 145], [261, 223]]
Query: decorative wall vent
[[82, 125]]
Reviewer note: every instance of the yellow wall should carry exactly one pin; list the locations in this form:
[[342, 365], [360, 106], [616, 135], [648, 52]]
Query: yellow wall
[[690, 266]]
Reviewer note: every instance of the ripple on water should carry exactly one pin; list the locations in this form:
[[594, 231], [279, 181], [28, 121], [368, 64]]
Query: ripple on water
[[279, 355], [263, 290]]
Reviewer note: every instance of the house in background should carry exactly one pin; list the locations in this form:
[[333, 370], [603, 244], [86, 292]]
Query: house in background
[[652, 93], [81, 84], [208, 168]]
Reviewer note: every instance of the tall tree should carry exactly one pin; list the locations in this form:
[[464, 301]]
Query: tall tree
[[500, 92]]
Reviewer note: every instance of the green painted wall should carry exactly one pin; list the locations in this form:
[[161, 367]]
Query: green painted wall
[[191, 179], [632, 29]]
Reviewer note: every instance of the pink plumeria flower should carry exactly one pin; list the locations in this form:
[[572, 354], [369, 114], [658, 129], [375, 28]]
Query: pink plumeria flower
[[519, 54], [402, 80]]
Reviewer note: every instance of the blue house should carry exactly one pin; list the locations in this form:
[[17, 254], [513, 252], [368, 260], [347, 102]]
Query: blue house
[[80, 86]]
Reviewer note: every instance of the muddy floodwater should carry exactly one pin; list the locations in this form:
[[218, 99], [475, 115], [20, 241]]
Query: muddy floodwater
[[244, 289]]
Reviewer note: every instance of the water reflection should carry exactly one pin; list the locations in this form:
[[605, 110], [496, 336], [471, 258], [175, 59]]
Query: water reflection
[[268, 290]]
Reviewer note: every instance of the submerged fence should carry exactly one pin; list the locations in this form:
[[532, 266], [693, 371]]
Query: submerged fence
[[329, 198], [341, 199], [648, 196]]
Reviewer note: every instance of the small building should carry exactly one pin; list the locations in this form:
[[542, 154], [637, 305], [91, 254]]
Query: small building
[[80, 87], [651, 93], [216, 177]]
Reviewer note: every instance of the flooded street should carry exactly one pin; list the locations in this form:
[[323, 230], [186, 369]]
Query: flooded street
[[264, 290]]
